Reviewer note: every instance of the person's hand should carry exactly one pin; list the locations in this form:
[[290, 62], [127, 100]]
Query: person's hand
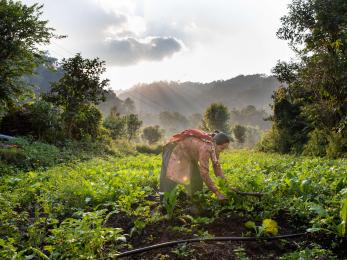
[[221, 198]]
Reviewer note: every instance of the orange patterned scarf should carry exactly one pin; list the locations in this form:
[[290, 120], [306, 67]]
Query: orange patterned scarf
[[191, 132]]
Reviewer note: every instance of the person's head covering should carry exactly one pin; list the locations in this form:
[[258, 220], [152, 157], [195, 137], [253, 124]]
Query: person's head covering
[[220, 138]]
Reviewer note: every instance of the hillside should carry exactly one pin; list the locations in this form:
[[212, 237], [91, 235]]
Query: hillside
[[192, 97]]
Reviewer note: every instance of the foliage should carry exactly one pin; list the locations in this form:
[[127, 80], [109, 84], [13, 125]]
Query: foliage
[[169, 201], [313, 252], [317, 143], [46, 121], [216, 117], [315, 97], [291, 129], [87, 122], [39, 119], [268, 226], [149, 149], [116, 125], [133, 124], [152, 134], [76, 92], [22, 31], [30, 155], [337, 146], [61, 210], [240, 133], [85, 237]]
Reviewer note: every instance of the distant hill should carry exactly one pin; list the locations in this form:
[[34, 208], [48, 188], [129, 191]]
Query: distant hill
[[192, 97], [44, 75]]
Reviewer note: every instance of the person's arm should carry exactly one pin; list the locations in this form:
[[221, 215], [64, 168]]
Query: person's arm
[[203, 163], [216, 165]]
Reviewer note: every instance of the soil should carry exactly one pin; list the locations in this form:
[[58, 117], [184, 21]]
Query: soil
[[228, 224]]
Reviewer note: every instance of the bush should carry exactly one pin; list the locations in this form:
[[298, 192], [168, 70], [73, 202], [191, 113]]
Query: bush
[[239, 133], [46, 121], [152, 134], [149, 149], [36, 154], [86, 123], [116, 126], [40, 119], [317, 143], [6, 169], [337, 146], [269, 142]]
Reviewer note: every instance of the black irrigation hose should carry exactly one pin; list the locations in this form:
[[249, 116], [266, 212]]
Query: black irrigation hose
[[171, 243]]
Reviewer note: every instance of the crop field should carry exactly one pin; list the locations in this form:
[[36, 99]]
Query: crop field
[[102, 207]]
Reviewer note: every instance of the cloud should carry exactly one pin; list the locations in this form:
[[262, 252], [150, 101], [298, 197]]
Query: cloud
[[128, 51], [115, 31]]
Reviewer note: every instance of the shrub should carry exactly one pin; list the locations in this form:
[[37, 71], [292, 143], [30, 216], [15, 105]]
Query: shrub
[[337, 146], [317, 143], [149, 149], [87, 123], [152, 134], [116, 126], [12, 155], [40, 119], [269, 141], [36, 154], [240, 133]]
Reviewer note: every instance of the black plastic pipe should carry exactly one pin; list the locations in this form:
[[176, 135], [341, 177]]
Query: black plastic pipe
[[172, 243]]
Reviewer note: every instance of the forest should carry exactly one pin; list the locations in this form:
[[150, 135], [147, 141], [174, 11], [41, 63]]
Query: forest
[[80, 163]]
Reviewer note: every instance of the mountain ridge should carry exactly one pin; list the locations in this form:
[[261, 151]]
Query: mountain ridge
[[194, 97]]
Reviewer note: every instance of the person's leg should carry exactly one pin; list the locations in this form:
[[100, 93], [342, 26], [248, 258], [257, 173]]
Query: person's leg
[[196, 184], [165, 184]]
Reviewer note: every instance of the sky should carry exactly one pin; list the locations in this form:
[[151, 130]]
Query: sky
[[181, 40]]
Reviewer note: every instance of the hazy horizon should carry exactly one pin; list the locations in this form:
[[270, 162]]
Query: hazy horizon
[[143, 41]]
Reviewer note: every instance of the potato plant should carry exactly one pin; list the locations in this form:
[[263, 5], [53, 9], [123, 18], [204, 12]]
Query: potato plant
[[97, 208]]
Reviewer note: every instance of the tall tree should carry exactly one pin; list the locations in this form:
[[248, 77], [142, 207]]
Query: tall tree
[[21, 32], [216, 117], [80, 86], [133, 124], [316, 92]]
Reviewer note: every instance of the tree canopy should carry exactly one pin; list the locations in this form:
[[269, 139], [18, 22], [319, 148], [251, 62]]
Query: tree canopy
[[21, 32], [216, 117], [315, 95], [78, 90]]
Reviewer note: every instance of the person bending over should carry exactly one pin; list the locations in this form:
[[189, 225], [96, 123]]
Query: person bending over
[[186, 161]]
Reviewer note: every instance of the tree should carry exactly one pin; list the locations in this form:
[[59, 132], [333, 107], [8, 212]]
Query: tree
[[116, 124], [80, 86], [87, 122], [316, 94], [21, 32], [128, 106], [133, 124], [216, 117], [152, 134], [240, 133]]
